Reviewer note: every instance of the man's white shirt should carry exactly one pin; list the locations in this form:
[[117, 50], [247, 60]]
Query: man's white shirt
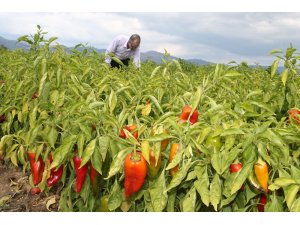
[[119, 47]]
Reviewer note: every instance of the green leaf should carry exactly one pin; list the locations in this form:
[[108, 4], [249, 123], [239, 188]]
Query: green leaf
[[179, 176], [60, 154], [115, 197], [242, 176], [112, 101], [118, 162], [196, 99], [274, 67], [103, 142], [52, 136], [295, 172], [189, 201], [145, 146], [284, 181], [274, 205], [155, 71], [203, 134], [284, 76], [156, 103], [159, 198], [263, 106], [176, 160], [215, 192], [54, 97], [42, 83], [159, 137], [97, 160], [202, 184], [296, 205], [88, 152], [229, 142], [291, 194], [262, 150], [231, 131]]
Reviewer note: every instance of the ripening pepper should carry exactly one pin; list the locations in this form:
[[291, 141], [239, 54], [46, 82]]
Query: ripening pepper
[[35, 190], [37, 167], [94, 175], [294, 115], [236, 167], [80, 173], [262, 173], [174, 150], [185, 112], [262, 202], [104, 204], [135, 170], [130, 128], [2, 118], [153, 167], [55, 175]]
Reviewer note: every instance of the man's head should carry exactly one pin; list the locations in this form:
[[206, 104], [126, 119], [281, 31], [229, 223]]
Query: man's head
[[134, 42]]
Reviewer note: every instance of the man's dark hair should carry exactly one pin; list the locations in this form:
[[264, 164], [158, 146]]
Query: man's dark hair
[[135, 37]]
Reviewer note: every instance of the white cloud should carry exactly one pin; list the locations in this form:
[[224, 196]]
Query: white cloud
[[220, 37]]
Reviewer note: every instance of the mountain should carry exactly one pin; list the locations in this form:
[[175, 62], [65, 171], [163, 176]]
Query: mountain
[[149, 55], [12, 45]]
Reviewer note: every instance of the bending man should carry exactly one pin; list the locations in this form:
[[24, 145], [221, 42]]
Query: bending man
[[124, 48]]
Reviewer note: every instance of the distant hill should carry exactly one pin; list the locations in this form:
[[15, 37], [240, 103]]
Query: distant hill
[[149, 55], [12, 45]]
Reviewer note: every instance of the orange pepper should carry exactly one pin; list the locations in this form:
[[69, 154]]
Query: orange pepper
[[261, 171]]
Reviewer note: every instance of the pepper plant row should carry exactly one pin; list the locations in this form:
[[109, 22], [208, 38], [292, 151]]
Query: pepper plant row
[[169, 137]]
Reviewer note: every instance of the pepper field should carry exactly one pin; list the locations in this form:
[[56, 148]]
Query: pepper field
[[68, 104]]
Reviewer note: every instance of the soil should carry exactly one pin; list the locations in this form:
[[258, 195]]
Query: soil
[[15, 193]]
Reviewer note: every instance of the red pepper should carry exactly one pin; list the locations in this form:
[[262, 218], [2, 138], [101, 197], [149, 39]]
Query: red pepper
[[130, 128], [135, 169], [35, 190], [262, 202], [94, 177], [174, 149], [55, 175], [234, 168], [294, 115], [37, 168], [2, 118], [80, 173], [186, 110], [35, 95]]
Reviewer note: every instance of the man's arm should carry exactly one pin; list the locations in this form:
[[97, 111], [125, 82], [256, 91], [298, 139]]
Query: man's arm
[[137, 58], [111, 48]]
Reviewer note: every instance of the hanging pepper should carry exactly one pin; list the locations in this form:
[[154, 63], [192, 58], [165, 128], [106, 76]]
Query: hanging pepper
[[130, 128], [80, 173], [55, 175], [164, 143], [153, 167], [262, 173], [236, 167], [94, 174], [174, 150], [185, 112], [37, 167], [253, 182], [135, 170], [294, 115], [262, 202], [2, 118]]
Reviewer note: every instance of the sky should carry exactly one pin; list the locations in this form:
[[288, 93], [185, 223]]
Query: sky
[[215, 37]]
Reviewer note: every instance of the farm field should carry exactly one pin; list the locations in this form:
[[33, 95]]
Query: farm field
[[79, 136]]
